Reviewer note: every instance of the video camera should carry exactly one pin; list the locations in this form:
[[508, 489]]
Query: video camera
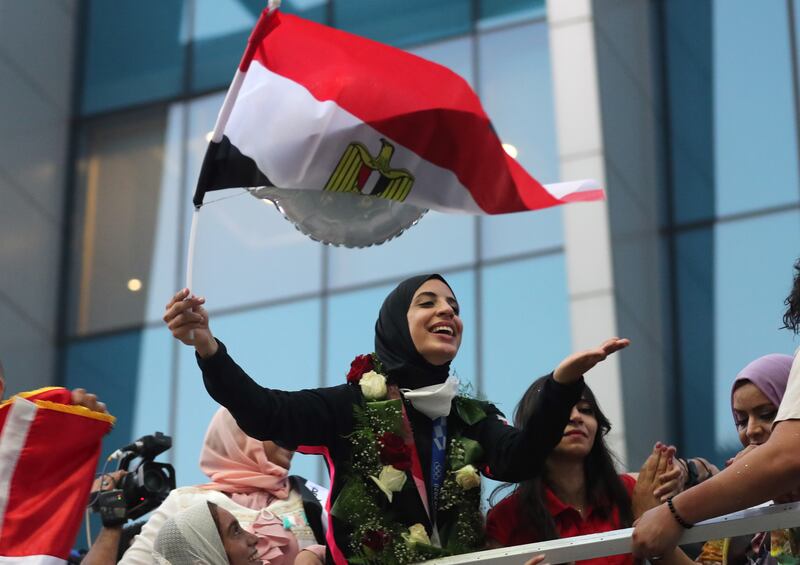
[[141, 489]]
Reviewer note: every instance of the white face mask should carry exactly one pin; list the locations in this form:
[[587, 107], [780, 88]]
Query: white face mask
[[435, 400]]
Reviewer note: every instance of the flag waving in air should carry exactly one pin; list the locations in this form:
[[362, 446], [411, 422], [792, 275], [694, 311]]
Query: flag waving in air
[[48, 453], [317, 108]]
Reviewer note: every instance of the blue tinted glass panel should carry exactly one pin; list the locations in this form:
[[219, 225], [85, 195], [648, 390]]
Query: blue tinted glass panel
[[124, 254], [438, 242], [690, 89], [730, 314], [134, 53], [526, 330], [351, 327], [694, 272], [455, 54], [755, 126], [220, 32], [111, 367], [278, 347], [153, 396], [494, 11], [246, 251], [403, 23], [516, 89]]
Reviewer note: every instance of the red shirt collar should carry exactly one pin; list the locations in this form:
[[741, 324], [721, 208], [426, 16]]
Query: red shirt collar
[[556, 507]]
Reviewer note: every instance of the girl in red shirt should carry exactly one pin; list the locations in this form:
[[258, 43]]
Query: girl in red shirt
[[579, 492]]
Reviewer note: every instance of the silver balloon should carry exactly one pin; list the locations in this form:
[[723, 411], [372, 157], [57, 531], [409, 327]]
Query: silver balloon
[[342, 218]]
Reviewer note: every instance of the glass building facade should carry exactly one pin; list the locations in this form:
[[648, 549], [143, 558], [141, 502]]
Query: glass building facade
[[700, 111], [732, 220]]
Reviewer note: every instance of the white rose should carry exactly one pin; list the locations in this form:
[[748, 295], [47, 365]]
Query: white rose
[[467, 477], [373, 386], [390, 480], [417, 534]]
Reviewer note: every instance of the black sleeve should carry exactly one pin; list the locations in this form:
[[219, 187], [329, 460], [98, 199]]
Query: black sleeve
[[305, 417], [514, 455]]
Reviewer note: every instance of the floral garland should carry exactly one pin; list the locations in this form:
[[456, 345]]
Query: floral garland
[[382, 458]]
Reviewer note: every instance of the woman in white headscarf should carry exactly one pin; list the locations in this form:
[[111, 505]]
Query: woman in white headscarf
[[204, 534]]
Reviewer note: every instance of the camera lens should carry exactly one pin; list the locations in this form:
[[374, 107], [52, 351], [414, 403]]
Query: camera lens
[[154, 481]]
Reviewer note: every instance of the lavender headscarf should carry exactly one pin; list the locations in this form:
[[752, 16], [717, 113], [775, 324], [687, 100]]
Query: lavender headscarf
[[769, 374]]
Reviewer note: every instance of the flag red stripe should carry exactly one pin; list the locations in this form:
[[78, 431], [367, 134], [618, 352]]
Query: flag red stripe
[[420, 117], [584, 196], [50, 485], [363, 175], [336, 553]]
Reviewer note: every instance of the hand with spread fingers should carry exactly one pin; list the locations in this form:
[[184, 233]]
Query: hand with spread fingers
[[188, 321], [573, 367], [88, 400]]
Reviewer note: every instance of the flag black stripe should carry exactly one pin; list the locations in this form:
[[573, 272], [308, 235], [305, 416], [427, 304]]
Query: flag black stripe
[[224, 166]]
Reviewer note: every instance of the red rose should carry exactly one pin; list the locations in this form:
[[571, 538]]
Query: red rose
[[395, 452], [359, 366], [376, 540]]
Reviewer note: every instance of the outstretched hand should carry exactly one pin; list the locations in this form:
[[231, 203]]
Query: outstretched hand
[[573, 367], [188, 321]]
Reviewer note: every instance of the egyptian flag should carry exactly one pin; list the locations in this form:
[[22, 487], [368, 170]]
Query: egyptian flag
[[315, 108], [48, 455]]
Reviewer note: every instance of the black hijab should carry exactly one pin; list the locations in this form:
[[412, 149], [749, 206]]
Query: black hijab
[[393, 344]]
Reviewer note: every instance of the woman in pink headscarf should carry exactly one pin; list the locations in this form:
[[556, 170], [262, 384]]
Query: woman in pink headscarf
[[249, 479]]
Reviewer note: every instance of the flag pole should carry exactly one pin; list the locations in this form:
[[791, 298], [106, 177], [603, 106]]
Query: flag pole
[[256, 36], [258, 33]]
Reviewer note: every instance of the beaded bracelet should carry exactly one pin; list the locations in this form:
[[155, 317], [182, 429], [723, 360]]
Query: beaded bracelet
[[684, 524]]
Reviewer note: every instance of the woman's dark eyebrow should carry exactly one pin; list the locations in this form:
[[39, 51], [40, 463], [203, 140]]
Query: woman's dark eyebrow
[[769, 405], [432, 295]]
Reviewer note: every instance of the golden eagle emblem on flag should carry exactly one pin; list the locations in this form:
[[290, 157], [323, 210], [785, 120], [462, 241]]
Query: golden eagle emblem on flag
[[359, 171]]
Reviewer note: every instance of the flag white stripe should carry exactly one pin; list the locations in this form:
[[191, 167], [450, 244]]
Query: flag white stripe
[[12, 440], [227, 106], [299, 140], [561, 189], [34, 560]]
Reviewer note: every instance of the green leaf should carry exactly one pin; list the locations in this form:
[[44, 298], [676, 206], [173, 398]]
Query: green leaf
[[390, 412], [351, 499], [473, 452], [469, 410]]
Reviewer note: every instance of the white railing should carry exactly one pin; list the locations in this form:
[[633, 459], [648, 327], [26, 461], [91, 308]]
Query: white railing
[[759, 519]]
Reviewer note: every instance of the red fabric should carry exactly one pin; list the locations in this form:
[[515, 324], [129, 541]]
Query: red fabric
[[421, 105], [503, 525], [51, 481], [336, 553]]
